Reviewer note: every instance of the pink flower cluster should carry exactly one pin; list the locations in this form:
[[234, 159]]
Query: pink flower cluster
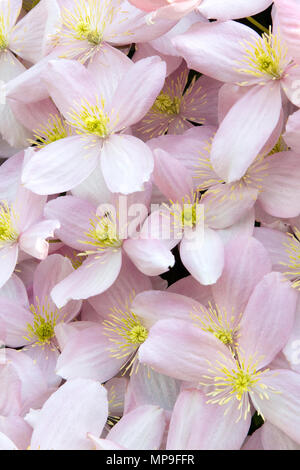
[[138, 139]]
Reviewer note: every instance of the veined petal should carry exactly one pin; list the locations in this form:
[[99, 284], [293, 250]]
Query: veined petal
[[60, 166]]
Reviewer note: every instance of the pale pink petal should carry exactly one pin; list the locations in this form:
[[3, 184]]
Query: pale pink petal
[[17, 430], [283, 407], [232, 9], [146, 50], [33, 240], [151, 257], [281, 193], [202, 253], [94, 276], [152, 306], [253, 118], [171, 176], [141, 429], [8, 261], [125, 155], [15, 291], [274, 439], [132, 104], [74, 215], [224, 41], [87, 355], [68, 83], [78, 407], [45, 358], [196, 425], [178, 349], [10, 399], [275, 243], [6, 443], [10, 176], [34, 387], [246, 263], [189, 287], [288, 14], [10, 11], [93, 188], [227, 204], [153, 388], [60, 166], [129, 283], [28, 37], [292, 131], [268, 319], [29, 207], [108, 70], [47, 275], [16, 318]]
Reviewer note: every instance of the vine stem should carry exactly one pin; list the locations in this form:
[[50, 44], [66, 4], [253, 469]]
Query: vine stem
[[257, 24]]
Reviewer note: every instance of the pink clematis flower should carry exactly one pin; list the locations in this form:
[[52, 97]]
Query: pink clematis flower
[[264, 65], [27, 39], [256, 309], [23, 229], [89, 27], [100, 350], [176, 108], [98, 234], [192, 219], [33, 325], [98, 104]]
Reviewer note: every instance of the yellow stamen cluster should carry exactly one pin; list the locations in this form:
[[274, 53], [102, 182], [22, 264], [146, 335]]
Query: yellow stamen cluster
[[88, 21], [102, 234], [126, 331], [90, 119], [292, 247], [55, 129], [256, 174], [217, 321], [8, 232], [264, 58], [234, 381], [280, 146], [165, 104], [187, 214], [41, 330]]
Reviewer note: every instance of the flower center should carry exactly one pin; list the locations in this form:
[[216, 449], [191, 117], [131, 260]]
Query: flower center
[[126, 331], [55, 129], [189, 215], [215, 320], [8, 233], [267, 56], [234, 380], [138, 334], [91, 119], [85, 31], [102, 234], [165, 104], [41, 330]]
